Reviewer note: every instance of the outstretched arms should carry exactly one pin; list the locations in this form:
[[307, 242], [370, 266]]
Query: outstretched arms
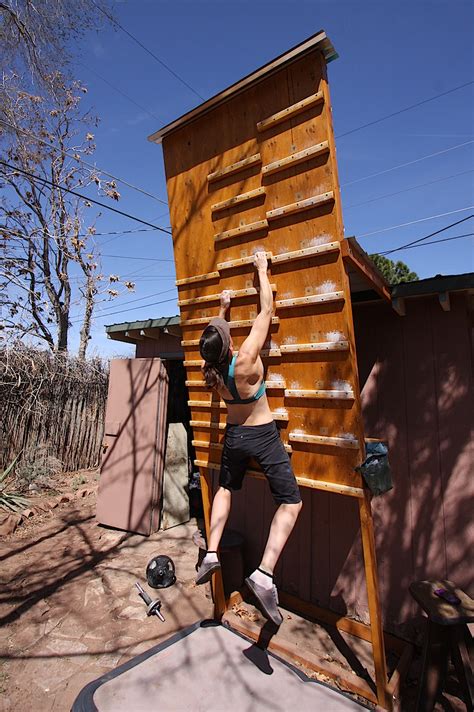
[[255, 341]]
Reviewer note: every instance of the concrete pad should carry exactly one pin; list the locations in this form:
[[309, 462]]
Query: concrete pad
[[209, 669]]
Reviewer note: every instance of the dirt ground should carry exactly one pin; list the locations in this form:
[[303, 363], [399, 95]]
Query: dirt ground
[[69, 610]]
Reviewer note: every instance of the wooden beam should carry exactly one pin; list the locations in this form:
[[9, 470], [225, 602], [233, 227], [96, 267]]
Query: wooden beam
[[306, 253], [296, 158], [398, 304], [206, 424], [300, 205], [135, 335], [312, 299], [197, 278], [237, 199], [325, 395], [242, 230], [236, 293], [316, 346], [234, 168], [354, 255], [350, 443], [290, 111], [242, 261]]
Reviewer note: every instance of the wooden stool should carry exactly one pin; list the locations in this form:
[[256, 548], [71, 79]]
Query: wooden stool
[[447, 634]]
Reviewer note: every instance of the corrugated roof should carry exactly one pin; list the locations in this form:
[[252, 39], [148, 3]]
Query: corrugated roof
[[320, 40], [159, 323]]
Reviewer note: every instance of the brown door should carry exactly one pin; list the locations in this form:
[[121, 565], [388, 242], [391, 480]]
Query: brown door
[[135, 427]]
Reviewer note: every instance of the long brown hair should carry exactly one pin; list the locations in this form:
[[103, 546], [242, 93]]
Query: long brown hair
[[210, 347]]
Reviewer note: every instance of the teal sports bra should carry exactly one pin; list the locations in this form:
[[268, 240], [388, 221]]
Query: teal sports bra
[[230, 383]]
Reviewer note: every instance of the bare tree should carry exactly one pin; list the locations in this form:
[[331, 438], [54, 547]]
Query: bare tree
[[51, 262], [37, 35]]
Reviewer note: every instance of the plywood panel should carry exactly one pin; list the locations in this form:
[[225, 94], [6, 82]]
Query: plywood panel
[[210, 164]]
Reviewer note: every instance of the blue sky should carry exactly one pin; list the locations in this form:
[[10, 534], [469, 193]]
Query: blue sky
[[392, 55]]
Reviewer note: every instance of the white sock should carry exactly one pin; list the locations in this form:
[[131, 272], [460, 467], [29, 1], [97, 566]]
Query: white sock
[[210, 558], [262, 579]]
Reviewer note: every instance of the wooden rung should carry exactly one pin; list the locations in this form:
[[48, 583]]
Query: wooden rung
[[195, 384], [275, 385], [270, 353], [197, 278], [207, 424], [242, 198], [190, 342], [204, 444], [328, 395], [330, 487], [290, 111], [300, 205], [206, 404], [313, 299], [234, 167], [244, 323], [323, 346], [324, 440], [280, 416], [295, 158], [235, 293], [305, 253], [192, 363], [241, 261], [242, 230]]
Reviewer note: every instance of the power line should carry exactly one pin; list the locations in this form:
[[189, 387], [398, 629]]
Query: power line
[[409, 163], [426, 244], [112, 86], [407, 108], [143, 306], [432, 234], [140, 44], [130, 301], [406, 190], [414, 222], [83, 197], [82, 160], [130, 257]]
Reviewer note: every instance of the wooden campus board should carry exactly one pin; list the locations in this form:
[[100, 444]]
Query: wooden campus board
[[252, 169]]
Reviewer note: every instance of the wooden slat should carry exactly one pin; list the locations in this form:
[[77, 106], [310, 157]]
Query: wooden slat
[[336, 395], [207, 404], [232, 324], [237, 199], [242, 230], [275, 385], [300, 205], [296, 158], [330, 487], [270, 353], [207, 446], [190, 342], [312, 299], [290, 111], [197, 278], [324, 440], [320, 346], [192, 363], [207, 424], [306, 253], [229, 264], [234, 167], [282, 416], [236, 293]]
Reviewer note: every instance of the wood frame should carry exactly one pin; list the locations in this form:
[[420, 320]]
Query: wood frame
[[286, 123]]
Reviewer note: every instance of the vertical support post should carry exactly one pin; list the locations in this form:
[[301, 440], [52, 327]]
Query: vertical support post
[[370, 564], [217, 582]]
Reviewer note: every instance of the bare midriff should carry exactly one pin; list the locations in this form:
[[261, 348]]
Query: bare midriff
[[256, 413]]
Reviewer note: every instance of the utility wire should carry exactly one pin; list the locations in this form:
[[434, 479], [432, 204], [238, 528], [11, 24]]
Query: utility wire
[[432, 234], [427, 244], [407, 108], [130, 257], [140, 44], [84, 197], [126, 96], [414, 222], [82, 160], [409, 163], [406, 190], [105, 310], [143, 306]]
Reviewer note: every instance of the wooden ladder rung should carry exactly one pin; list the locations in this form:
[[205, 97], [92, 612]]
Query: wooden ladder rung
[[229, 264], [290, 111], [234, 167], [207, 424], [195, 384], [197, 278], [207, 445], [237, 199], [305, 253], [324, 394], [236, 293], [190, 342], [275, 385], [270, 353], [206, 404], [300, 205], [296, 158], [324, 440], [190, 364], [242, 230], [313, 299], [281, 416], [322, 346], [232, 324]]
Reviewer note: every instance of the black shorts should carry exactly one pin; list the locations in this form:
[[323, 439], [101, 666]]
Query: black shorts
[[263, 443]]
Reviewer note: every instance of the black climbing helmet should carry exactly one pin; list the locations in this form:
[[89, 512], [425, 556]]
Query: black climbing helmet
[[160, 572]]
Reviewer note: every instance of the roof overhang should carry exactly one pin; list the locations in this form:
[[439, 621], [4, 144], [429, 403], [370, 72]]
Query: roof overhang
[[318, 41]]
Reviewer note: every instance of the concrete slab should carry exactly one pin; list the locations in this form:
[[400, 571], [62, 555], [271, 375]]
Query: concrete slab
[[209, 669]]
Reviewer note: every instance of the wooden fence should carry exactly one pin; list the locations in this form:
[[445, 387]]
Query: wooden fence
[[53, 401]]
